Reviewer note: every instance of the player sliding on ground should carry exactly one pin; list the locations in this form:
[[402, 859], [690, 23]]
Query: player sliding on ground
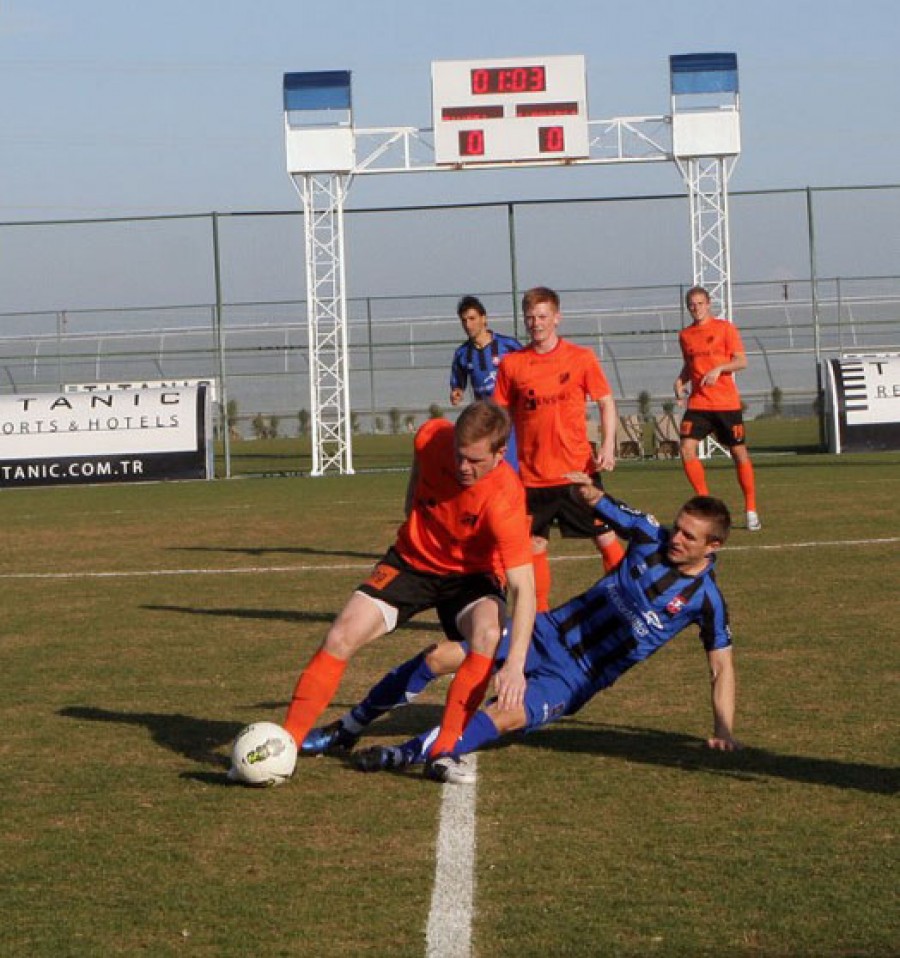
[[665, 583], [466, 527]]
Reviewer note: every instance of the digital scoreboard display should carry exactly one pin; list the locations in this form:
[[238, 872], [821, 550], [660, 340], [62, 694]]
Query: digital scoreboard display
[[513, 79], [509, 111]]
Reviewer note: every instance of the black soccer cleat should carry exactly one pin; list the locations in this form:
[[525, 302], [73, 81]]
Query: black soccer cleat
[[329, 740], [379, 758]]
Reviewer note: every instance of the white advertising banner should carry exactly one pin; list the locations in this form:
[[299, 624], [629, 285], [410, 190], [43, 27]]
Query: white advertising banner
[[863, 403], [142, 384], [120, 435]]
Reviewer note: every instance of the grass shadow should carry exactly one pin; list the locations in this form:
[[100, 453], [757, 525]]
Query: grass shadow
[[197, 739], [281, 615], [201, 740], [674, 750]]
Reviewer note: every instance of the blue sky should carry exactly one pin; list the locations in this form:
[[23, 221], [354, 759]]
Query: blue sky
[[118, 107]]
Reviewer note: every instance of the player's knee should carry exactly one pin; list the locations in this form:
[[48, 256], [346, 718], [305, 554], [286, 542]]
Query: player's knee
[[344, 640], [507, 720], [485, 638], [445, 658]]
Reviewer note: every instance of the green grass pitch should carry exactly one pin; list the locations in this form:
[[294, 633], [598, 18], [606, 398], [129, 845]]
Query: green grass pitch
[[143, 626]]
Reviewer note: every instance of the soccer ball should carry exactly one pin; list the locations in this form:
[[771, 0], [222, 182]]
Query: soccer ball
[[263, 754]]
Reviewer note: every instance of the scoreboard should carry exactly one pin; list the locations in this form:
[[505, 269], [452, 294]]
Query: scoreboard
[[524, 109]]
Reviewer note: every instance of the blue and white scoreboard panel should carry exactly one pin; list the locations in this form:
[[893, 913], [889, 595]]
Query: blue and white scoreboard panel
[[862, 403]]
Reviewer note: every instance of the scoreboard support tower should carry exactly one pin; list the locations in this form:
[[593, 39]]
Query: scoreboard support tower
[[503, 113]]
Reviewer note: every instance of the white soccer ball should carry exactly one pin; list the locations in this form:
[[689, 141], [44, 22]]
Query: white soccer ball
[[263, 754]]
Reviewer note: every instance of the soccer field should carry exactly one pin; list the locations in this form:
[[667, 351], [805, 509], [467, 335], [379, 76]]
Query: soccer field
[[143, 626]]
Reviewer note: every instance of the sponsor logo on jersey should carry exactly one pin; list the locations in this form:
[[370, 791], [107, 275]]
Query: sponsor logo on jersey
[[676, 605]]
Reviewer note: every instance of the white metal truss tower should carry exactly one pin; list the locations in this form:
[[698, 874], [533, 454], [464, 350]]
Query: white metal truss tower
[[706, 178], [706, 142], [323, 197]]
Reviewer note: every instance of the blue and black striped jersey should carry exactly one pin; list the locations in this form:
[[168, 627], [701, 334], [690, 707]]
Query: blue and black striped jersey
[[479, 366], [635, 610]]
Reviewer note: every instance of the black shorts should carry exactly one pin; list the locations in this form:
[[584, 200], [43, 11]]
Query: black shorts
[[558, 504], [410, 591], [726, 427]]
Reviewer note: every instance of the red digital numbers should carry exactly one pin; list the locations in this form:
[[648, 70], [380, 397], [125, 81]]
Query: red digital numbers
[[471, 142], [551, 139], [493, 80]]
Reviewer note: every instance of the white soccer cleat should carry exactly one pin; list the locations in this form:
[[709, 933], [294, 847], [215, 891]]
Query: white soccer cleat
[[450, 769], [753, 523]]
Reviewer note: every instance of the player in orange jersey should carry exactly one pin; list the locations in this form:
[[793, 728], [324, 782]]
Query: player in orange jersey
[[546, 388], [713, 352], [466, 531]]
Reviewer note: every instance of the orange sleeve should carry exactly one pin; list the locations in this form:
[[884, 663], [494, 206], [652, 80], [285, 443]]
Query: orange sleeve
[[596, 384], [510, 526]]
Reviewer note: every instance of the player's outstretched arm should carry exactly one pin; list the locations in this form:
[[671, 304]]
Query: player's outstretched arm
[[584, 488], [721, 671]]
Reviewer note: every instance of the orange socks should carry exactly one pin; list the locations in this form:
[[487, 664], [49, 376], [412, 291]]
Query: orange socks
[[696, 474], [314, 690], [747, 483], [541, 580], [466, 693], [612, 554]]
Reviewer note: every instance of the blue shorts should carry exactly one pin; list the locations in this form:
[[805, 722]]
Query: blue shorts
[[557, 685]]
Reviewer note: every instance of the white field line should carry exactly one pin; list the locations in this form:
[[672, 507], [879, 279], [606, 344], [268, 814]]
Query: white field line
[[139, 573], [449, 932], [774, 547], [350, 566]]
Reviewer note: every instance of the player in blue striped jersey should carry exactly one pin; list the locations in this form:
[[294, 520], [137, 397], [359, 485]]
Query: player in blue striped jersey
[[665, 583], [477, 360]]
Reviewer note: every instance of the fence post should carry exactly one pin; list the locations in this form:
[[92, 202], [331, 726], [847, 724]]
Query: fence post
[[513, 265], [813, 280], [371, 363], [220, 347]]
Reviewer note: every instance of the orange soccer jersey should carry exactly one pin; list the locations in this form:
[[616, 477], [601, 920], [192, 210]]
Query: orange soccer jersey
[[462, 529], [546, 394], [704, 346]]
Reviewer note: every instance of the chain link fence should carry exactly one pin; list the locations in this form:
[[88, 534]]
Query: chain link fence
[[67, 282]]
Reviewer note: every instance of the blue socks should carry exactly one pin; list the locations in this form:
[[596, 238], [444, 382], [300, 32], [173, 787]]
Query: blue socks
[[479, 732], [398, 687]]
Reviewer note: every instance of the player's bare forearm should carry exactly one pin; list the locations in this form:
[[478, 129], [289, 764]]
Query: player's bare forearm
[[721, 665], [606, 456], [606, 460], [509, 681]]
